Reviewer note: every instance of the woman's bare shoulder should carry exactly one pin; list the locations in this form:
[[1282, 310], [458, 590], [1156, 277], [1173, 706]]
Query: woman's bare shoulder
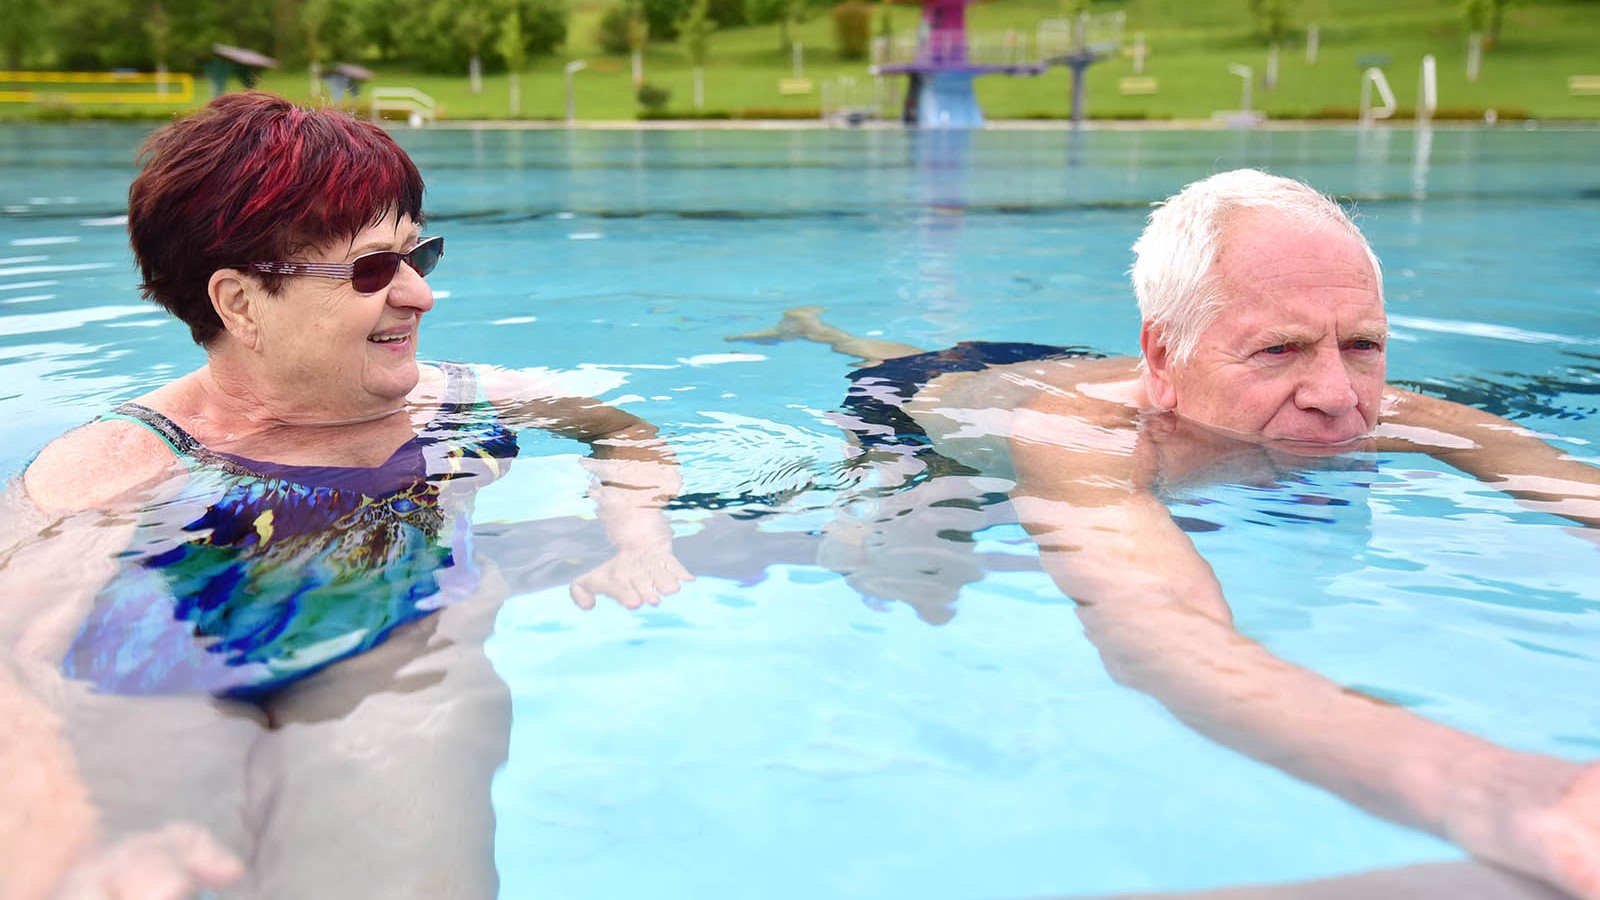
[[96, 465]]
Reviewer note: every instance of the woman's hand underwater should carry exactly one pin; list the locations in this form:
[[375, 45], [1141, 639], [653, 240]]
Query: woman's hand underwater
[[632, 577]]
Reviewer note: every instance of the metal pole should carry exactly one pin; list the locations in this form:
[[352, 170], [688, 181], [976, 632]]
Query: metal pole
[[573, 68], [1246, 74], [1077, 64], [1427, 90]]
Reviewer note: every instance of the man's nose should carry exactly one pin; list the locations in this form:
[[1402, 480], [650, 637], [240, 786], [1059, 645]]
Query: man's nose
[[1327, 386]]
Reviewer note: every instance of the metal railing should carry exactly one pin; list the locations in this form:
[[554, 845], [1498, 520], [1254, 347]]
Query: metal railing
[[1373, 78], [847, 100], [999, 48], [1051, 40], [96, 87]]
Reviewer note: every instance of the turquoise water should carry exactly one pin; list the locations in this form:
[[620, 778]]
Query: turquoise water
[[773, 731]]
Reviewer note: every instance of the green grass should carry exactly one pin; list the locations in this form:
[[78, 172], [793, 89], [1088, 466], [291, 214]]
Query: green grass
[[1191, 46]]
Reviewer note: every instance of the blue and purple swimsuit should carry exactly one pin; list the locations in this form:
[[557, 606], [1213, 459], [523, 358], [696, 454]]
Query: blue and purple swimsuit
[[259, 574]]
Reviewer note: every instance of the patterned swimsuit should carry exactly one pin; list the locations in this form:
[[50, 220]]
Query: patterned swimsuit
[[259, 574]]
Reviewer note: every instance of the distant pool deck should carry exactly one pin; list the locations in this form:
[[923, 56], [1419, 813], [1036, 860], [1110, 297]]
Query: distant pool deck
[[993, 125]]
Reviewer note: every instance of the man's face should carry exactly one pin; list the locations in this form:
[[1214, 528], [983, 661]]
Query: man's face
[[1295, 358]]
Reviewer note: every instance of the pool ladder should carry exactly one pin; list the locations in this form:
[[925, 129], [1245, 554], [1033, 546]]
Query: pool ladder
[[1427, 94]]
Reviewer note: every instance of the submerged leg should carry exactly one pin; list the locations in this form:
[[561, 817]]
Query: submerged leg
[[805, 323], [376, 781]]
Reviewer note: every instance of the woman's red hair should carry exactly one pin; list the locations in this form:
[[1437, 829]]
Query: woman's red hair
[[249, 177]]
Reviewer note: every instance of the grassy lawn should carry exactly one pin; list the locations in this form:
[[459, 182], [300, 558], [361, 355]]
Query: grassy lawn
[[1191, 45]]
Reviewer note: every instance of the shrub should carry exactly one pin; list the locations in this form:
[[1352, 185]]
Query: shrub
[[778, 112], [852, 29], [653, 98], [648, 115]]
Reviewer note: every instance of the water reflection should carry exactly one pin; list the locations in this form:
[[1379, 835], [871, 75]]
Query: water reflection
[[1420, 158], [932, 250]]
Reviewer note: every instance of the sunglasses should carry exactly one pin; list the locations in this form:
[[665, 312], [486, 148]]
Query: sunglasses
[[367, 273]]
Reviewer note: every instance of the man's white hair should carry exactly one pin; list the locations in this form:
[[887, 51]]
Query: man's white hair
[[1174, 280]]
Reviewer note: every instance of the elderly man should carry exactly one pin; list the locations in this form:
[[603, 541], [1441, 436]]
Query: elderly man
[[1263, 343]]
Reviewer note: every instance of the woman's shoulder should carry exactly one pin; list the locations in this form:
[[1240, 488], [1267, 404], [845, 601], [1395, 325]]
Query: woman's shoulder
[[95, 465]]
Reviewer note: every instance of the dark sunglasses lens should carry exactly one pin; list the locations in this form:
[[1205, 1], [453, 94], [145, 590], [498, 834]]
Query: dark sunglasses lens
[[425, 255], [373, 272]]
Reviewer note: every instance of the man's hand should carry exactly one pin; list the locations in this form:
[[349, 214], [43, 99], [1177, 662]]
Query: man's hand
[[1544, 820], [1572, 835]]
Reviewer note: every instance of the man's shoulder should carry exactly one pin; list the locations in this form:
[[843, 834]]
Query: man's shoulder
[[95, 464], [1062, 382], [1097, 388]]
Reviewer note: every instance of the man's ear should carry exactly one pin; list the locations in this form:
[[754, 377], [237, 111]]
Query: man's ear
[[234, 296], [1159, 387]]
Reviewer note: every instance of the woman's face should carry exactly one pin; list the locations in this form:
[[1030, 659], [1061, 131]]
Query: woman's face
[[333, 352]]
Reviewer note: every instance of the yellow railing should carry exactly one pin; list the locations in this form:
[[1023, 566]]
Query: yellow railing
[[96, 87]]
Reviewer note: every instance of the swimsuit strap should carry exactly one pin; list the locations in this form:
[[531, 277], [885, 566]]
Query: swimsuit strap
[[182, 442], [461, 389], [460, 384]]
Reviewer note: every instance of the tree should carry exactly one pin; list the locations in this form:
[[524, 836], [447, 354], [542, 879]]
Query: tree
[[511, 50], [473, 21], [623, 29], [314, 22], [695, 34], [638, 35], [543, 25], [158, 28], [612, 31], [1271, 18], [762, 12], [728, 13], [26, 31], [198, 24], [663, 16], [1485, 17], [100, 34], [379, 25], [786, 13]]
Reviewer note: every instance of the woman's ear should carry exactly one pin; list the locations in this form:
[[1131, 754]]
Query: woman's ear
[[234, 296], [1157, 367]]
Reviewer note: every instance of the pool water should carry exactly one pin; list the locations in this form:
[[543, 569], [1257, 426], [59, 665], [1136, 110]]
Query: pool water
[[777, 731]]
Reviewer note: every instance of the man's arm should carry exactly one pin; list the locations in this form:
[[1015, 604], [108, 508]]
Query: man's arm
[[1154, 610], [1494, 450], [635, 475]]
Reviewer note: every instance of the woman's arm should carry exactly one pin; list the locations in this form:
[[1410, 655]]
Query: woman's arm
[[49, 828], [50, 569], [635, 476]]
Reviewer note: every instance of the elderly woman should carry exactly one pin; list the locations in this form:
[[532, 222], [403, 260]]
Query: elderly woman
[[262, 569]]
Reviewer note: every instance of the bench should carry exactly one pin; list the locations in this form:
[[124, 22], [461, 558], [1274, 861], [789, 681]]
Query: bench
[[1583, 85], [794, 86], [412, 104], [1137, 84]]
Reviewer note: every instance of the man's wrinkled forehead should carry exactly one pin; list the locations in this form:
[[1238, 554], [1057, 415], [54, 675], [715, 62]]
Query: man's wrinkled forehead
[[1255, 224]]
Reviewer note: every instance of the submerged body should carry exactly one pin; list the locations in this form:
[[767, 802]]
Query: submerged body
[[247, 602], [1263, 350], [260, 574]]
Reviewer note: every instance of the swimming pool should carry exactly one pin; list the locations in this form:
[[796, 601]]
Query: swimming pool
[[772, 732]]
